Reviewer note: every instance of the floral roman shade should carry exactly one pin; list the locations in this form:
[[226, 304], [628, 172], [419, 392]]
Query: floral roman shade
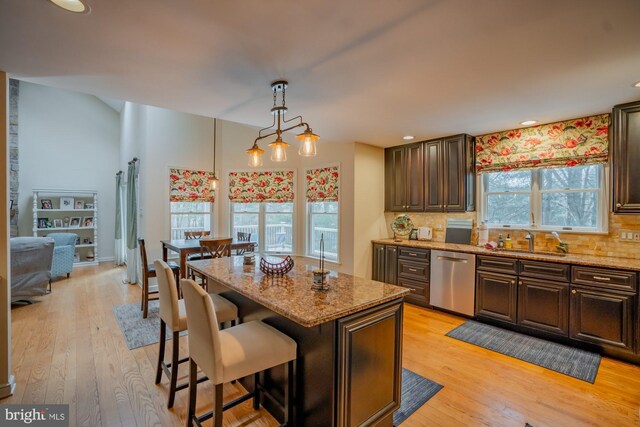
[[569, 143], [266, 186], [190, 186], [323, 184]]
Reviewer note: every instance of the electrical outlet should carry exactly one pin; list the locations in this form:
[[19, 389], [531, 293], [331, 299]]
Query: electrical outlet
[[623, 235]]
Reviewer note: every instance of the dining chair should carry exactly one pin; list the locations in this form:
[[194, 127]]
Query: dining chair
[[243, 237], [233, 353], [148, 272], [192, 235], [213, 248], [173, 316]]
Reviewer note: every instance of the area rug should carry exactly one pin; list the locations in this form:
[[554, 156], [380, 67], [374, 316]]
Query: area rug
[[574, 362], [139, 332], [416, 390]]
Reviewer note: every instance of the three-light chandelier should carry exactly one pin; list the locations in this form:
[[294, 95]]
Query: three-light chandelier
[[278, 147]]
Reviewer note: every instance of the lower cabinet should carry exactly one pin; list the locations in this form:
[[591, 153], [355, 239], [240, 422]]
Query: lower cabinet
[[496, 296], [377, 272], [544, 305], [602, 317], [391, 264], [403, 266]]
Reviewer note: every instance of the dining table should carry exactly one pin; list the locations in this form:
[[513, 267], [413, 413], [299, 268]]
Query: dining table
[[186, 247]]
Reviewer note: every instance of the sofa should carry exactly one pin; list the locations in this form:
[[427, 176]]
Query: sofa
[[63, 251], [31, 259]]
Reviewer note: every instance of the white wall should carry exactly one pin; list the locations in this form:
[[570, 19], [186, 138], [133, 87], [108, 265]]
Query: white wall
[[68, 140]]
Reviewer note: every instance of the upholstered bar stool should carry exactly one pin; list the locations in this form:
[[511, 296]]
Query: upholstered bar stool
[[233, 353], [173, 315]]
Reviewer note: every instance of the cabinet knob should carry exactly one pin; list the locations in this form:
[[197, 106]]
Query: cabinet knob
[[521, 283], [574, 291], [513, 282], [618, 205]]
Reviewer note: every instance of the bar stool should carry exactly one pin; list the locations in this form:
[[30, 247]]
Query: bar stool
[[148, 272], [173, 315], [233, 353]]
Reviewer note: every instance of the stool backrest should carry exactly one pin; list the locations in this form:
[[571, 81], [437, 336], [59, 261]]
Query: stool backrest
[[143, 260], [204, 339], [217, 248], [193, 235], [169, 311]]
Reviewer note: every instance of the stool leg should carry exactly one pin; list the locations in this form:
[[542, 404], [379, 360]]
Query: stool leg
[[256, 391], [217, 409], [289, 384], [174, 369], [163, 340], [145, 299], [193, 384]]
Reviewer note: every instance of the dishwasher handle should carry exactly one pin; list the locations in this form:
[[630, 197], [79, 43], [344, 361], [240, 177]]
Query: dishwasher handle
[[452, 259]]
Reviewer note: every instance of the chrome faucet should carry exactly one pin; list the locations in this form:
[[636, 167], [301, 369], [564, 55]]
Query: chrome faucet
[[532, 240]]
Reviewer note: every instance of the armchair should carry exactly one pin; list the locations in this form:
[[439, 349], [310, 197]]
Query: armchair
[[30, 266], [63, 251]]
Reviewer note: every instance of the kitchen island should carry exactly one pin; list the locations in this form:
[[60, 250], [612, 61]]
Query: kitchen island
[[349, 338]]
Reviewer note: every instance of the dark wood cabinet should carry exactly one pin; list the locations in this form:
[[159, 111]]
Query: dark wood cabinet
[[431, 176], [603, 317], [404, 178], [377, 272], [391, 264], [496, 296], [625, 150], [543, 305]]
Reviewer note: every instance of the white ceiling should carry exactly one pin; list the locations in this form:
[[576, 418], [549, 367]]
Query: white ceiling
[[369, 71]]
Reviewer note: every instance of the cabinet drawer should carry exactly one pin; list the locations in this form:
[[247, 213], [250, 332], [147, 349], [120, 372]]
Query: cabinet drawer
[[413, 270], [545, 270], [419, 291], [601, 277], [415, 254], [498, 264]]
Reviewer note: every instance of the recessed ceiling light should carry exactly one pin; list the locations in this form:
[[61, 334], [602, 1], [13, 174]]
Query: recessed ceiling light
[[76, 6], [636, 84], [529, 122], [408, 137]]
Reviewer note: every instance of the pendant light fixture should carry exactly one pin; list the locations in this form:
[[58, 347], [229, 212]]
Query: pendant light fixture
[[279, 146], [213, 181]]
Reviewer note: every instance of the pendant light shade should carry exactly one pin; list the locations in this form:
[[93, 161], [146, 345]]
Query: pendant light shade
[[278, 150], [307, 143], [255, 155]]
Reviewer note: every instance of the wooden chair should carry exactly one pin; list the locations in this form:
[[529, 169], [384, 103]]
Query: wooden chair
[[213, 248], [174, 317], [234, 353], [193, 235], [148, 272], [243, 237]]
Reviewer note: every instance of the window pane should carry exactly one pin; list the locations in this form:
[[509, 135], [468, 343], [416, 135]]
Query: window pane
[[508, 209], [574, 209], [324, 207], [246, 207], [278, 207], [246, 223], [508, 181], [575, 178], [189, 216], [323, 222], [203, 207], [278, 232]]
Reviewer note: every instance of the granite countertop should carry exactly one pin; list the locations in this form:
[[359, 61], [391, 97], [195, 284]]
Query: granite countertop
[[292, 296], [590, 260]]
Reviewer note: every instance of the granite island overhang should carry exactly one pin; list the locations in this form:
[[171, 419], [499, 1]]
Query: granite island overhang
[[349, 338]]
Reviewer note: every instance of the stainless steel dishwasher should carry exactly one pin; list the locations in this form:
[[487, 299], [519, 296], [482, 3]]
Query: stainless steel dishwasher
[[453, 281]]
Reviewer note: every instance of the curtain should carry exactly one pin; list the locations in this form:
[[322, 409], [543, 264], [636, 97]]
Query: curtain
[[190, 186], [119, 249], [266, 186], [323, 184], [568, 143], [132, 222]]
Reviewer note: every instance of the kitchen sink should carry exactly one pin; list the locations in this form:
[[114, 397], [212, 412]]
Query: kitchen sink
[[523, 251]]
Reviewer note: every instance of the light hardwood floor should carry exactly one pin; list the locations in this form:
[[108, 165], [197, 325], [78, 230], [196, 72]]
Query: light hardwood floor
[[68, 348]]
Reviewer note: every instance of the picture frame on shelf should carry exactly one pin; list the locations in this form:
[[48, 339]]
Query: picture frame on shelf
[[46, 204], [66, 202], [75, 222], [87, 221], [79, 205], [86, 241], [88, 205], [43, 222], [65, 221], [57, 223]]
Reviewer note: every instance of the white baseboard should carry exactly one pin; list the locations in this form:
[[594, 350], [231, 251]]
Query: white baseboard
[[106, 259]]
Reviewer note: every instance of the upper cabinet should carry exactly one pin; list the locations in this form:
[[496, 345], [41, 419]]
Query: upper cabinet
[[626, 157], [431, 176], [404, 178]]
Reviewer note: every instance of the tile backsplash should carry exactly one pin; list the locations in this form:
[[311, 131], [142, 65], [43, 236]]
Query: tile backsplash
[[588, 244]]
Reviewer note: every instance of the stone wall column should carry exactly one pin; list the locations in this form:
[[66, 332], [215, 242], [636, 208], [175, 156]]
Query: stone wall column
[[14, 167]]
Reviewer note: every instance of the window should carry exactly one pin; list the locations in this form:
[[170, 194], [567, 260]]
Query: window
[[322, 218], [555, 199], [189, 216], [270, 225]]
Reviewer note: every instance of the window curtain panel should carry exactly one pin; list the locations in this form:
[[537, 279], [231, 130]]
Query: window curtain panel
[[119, 242], [266, 186], [190, 186], [568, 143], [323, 184], [132, 222]]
